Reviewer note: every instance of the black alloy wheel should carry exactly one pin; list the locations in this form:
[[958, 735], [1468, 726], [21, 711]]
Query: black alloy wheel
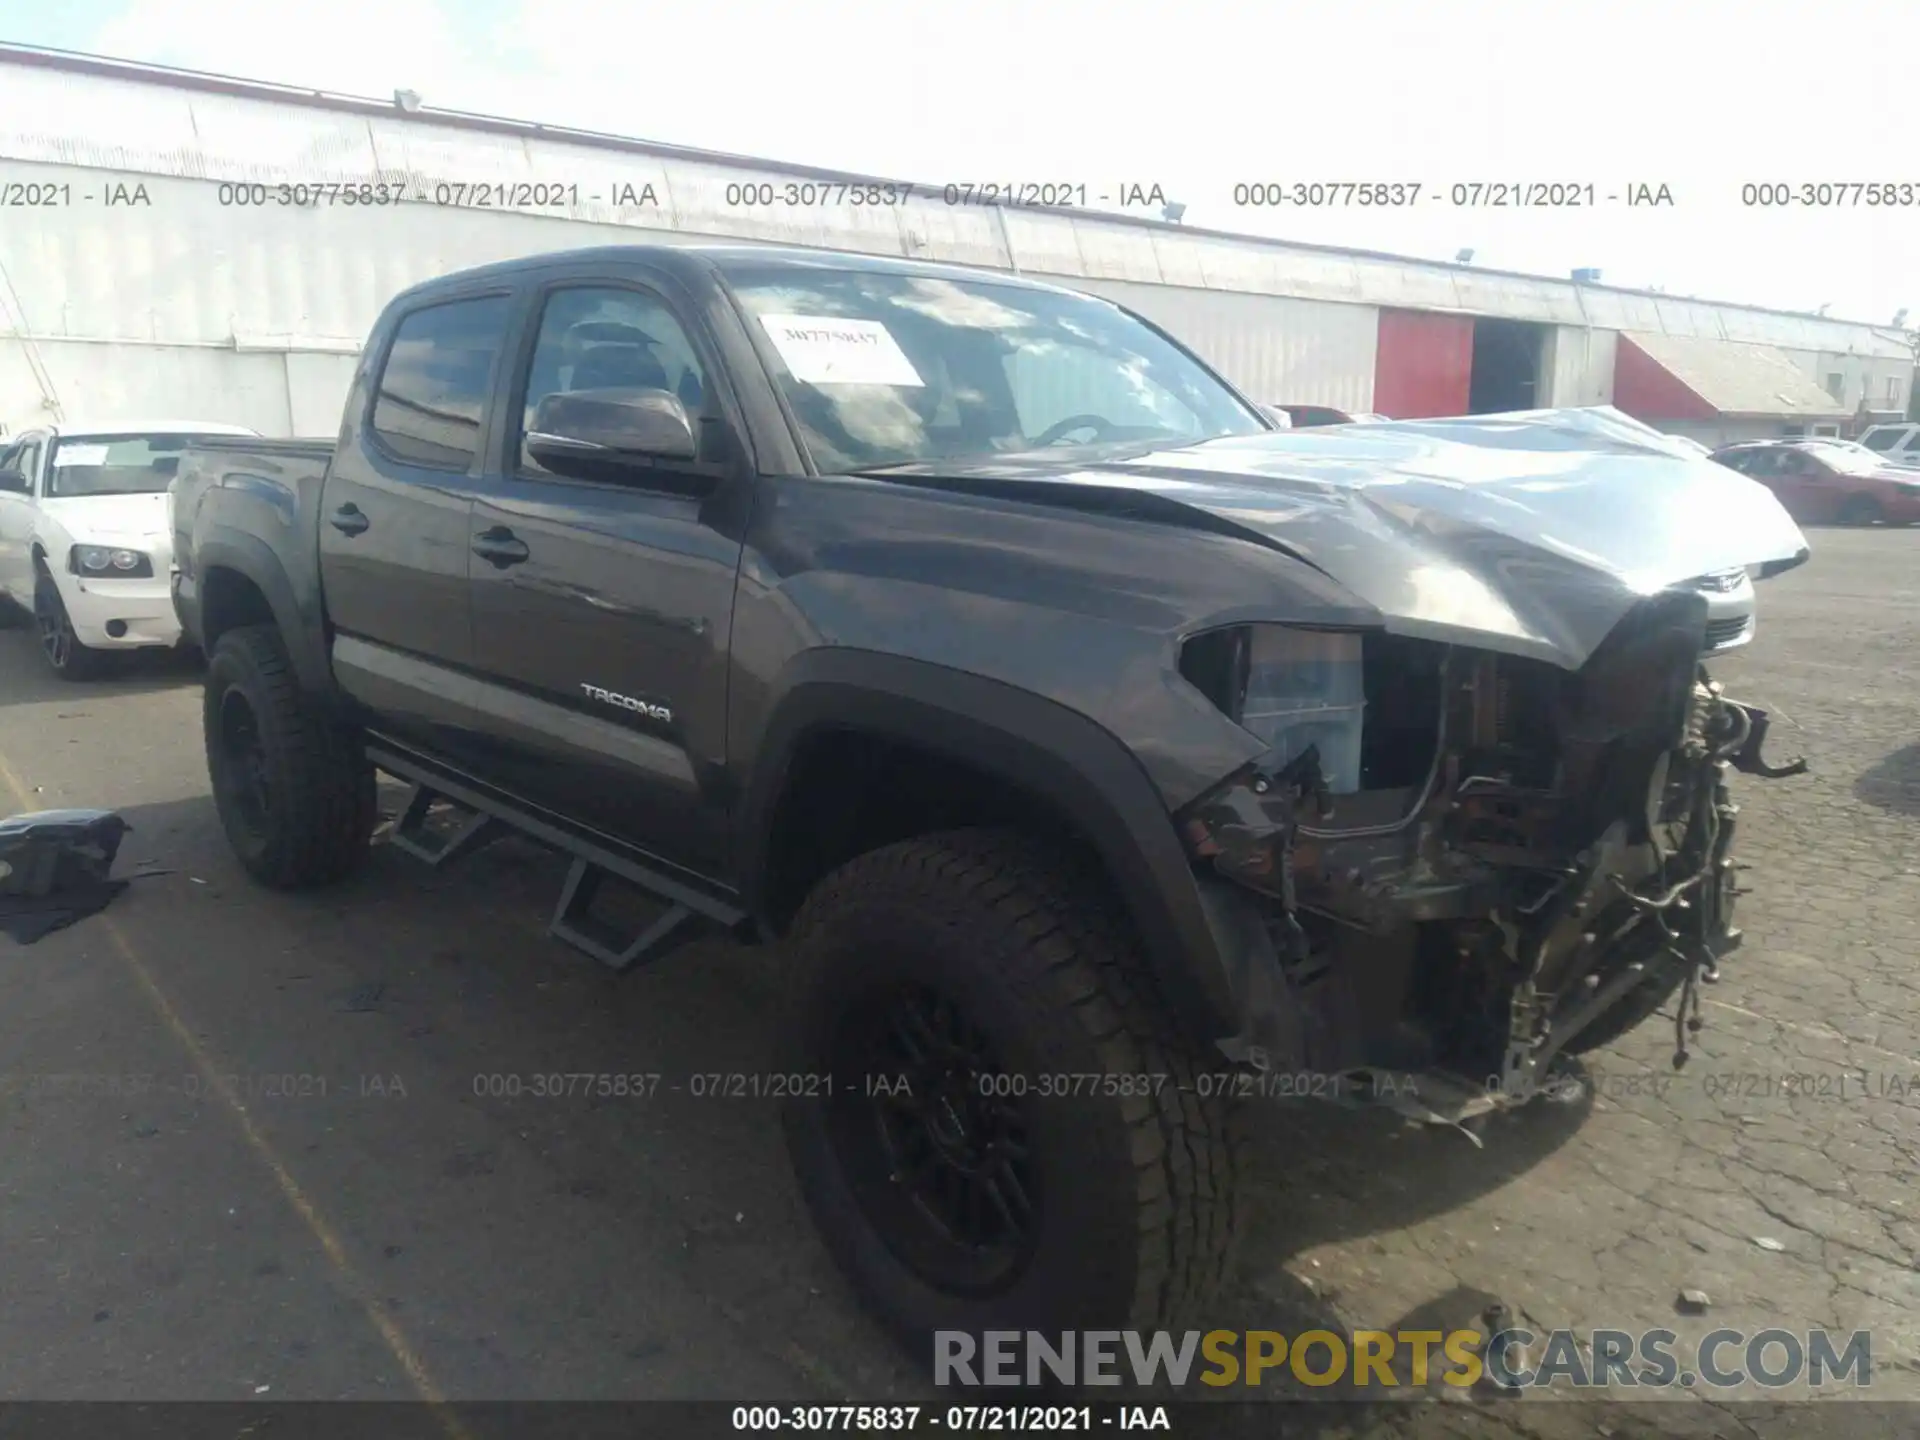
[[243, 762], [934, 1143]]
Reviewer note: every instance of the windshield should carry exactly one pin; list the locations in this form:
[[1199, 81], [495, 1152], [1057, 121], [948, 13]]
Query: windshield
[[895, 369], [114, 464]]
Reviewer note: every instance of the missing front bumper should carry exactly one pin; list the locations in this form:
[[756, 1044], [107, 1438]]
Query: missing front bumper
[[1555, 948]]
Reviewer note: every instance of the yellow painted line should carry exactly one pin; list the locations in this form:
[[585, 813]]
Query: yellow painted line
[[350, 1279]]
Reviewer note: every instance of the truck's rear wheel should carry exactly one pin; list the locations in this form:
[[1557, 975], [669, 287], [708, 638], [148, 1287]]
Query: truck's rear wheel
[[293, 787], [999, 1128]]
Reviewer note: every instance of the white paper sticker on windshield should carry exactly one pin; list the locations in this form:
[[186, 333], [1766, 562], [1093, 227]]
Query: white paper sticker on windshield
[[828, 350], [79, 455]]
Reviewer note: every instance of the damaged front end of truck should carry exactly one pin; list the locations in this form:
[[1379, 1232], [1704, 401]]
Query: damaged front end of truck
[[1494, 829], [1530, 860]]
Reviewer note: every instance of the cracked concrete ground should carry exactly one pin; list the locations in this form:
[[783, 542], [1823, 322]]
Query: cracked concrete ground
[[371, 1223]]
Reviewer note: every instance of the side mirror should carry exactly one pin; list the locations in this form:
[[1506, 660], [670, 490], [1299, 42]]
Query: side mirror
[[13, 482], [586, 432]]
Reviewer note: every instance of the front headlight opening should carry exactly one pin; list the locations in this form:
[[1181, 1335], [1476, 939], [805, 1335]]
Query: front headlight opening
[[109, 560], [1289, 688]]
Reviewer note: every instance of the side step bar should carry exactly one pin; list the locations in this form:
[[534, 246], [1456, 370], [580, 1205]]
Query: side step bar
[[485, 818]]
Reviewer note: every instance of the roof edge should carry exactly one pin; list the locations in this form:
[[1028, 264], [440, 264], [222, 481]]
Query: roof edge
[[144, 72]]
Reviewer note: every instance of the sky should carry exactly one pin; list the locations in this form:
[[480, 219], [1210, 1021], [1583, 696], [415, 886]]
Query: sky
[[1201, 98]]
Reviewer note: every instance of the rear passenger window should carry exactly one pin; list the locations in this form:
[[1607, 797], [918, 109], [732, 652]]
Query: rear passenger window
[[433, 386]]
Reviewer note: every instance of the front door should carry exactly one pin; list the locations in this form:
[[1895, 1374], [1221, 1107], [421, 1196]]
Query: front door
[[16, 517], [394, 518], [1805, 486], [602, 608]]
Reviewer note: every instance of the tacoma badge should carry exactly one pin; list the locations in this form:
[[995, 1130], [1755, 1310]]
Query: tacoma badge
[[627, 702]]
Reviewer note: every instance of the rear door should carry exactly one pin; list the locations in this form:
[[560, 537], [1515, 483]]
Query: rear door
[[394, 516], [602, 608]]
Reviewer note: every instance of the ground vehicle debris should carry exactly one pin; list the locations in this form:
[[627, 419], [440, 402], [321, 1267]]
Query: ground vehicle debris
[[56, 868], [1086, 764]]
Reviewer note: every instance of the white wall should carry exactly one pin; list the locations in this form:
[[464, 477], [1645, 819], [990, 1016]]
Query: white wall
[[251, 315], [1279, 350], [1862, 377], [131, 128], [185, 272], [98, 382], [1577, 366]]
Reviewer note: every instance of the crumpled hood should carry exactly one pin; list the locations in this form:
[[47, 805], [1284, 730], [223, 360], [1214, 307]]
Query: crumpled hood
[[1529, 533]]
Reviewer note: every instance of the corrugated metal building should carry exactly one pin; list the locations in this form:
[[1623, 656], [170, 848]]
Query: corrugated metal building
[[163, 248]]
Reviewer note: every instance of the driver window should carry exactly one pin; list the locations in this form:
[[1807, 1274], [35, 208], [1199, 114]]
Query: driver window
[[609, 339], [1053, 383]]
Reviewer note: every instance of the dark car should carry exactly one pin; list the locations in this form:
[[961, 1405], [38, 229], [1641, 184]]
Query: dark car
[[1094, 755], [1827, 481]]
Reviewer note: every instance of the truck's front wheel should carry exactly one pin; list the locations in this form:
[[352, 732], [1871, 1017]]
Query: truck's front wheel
[[994, 1123], [293, 787]]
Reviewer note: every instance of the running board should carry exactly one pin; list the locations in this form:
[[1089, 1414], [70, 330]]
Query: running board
[[410, 832], [574, 923], [486, 818]]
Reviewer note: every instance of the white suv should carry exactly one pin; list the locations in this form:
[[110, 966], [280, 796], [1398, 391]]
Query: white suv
[[1899, 443]]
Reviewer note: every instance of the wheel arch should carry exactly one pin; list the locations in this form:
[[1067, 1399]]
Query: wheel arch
[[1045, 755], [241, 580]]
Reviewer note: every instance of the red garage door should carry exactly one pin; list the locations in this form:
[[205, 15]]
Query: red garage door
[[1423, 364]]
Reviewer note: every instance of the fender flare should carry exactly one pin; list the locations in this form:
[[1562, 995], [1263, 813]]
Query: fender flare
[[1052, 752], [225, 548]]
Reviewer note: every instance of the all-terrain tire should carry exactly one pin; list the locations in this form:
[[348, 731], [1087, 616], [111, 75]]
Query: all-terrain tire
[[1134, 1154], [298, 806]]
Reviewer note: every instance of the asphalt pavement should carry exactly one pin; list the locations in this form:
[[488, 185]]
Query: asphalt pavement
[[259, 1145]]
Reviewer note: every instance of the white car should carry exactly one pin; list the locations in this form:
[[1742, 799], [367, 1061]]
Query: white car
[[86, 543]]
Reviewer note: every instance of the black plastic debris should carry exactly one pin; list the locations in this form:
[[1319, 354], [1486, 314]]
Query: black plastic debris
[[56, 868]]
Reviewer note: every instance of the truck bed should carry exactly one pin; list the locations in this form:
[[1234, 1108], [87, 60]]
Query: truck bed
[[261, 486]]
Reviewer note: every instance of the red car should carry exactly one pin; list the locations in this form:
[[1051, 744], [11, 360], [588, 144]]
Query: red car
[[1829, 480]]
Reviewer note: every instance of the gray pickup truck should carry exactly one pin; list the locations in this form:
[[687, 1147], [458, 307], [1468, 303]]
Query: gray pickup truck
[[1094, 751]]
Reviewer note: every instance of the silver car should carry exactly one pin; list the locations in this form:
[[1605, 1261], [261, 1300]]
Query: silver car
[[1730, 619]]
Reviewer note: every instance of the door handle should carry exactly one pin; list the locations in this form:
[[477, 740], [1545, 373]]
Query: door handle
[[349, 520], [500, 546]]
